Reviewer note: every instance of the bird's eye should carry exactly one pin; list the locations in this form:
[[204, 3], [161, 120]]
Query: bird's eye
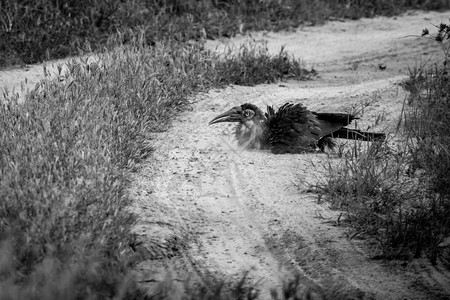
[[246, 113]]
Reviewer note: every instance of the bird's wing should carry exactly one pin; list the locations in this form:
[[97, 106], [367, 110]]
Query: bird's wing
[[292, 128], [332, 122]]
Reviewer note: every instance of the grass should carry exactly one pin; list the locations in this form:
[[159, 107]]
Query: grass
[[32, 31], [398, 193], [251, 64], [66, 152], [369, 183]]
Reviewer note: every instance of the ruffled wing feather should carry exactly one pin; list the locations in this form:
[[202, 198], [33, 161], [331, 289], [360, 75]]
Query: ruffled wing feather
[[292, 129]]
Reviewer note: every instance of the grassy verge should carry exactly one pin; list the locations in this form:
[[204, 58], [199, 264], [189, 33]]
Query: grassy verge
[[32, 31], [65, 155], [251, 64], [400, 195]]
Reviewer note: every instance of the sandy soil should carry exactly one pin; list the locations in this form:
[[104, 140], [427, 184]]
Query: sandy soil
[[210, 211], [244, 210]]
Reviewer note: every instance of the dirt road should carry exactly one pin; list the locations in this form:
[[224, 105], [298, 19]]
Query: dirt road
[[210, 211], [245, 210]]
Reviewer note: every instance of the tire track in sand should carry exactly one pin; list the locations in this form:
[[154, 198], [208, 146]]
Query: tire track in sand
[[244, 212]]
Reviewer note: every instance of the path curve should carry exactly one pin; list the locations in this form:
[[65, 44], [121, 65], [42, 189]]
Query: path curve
[[244, 210]]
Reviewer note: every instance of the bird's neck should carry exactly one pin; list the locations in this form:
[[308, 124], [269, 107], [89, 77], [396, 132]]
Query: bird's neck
[[250, 134]]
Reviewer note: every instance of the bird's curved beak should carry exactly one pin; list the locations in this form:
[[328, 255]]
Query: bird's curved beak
[[233, 115]]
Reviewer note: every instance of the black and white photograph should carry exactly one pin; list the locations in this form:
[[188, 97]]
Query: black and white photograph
[[224, 149]]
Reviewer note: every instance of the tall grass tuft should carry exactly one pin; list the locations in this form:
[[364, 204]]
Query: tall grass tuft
[[400, 194], [370, 184], [252, 64], [426, 124]]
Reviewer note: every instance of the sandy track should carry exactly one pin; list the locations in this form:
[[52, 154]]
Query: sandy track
[[246, 212], [243, 210], [210, 211]]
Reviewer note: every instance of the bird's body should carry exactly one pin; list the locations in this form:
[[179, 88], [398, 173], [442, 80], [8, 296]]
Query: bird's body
[[291, 129]]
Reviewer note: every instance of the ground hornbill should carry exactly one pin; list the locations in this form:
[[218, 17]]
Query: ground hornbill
[[292, 129]]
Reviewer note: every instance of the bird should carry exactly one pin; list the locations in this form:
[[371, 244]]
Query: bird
[[291, 129]]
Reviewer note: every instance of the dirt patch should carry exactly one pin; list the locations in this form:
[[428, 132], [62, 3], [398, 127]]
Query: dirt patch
[[210, 211]]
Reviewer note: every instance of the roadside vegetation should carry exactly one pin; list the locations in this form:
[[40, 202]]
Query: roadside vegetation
[[65, 231], [32, 31], [66, 152], [398, 192]]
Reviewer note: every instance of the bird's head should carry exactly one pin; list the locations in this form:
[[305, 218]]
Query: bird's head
[[247, 114]]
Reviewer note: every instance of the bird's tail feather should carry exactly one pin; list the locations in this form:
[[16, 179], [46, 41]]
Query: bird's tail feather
[[339, 118], [356, 134], [351, 134]]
